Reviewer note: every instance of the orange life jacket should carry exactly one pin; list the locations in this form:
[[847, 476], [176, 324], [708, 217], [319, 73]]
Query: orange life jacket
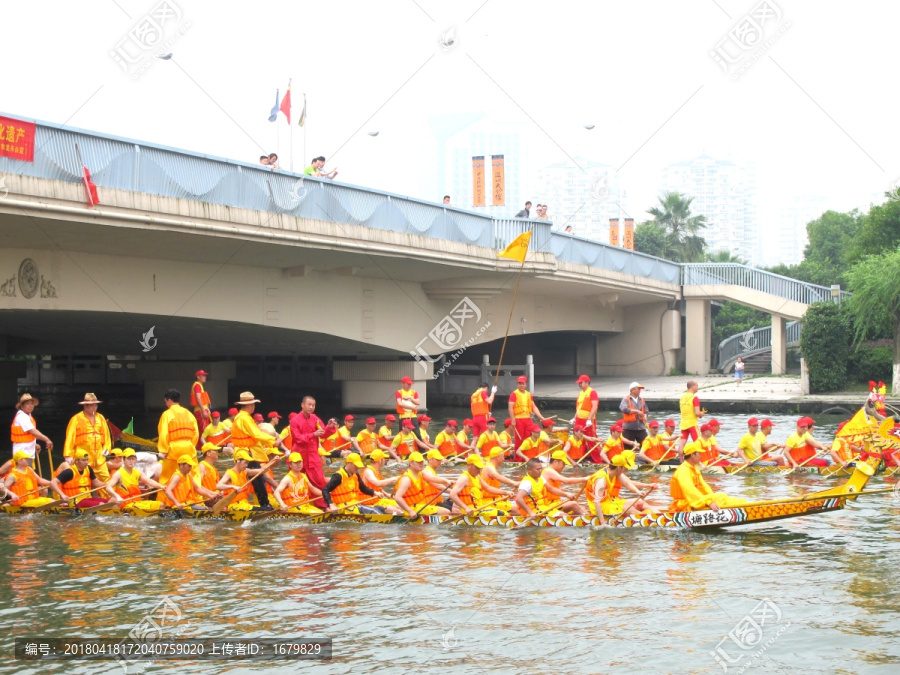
[[523, 404], [415, 493], [210, 477], [576, 448], [632, 417], [584, 404], [184, 492], [377, 477], [613, 486], [26, 481], [78, 484], [348, 491], [844, 452], [478, 404], [201, 400], [298, 490], [403, 412], [129, 484], [657, 449], [369, 441], [182, 424], [491, 443], [16, 434], [465, 495], [218, 436], [709, 454], [90, 437], [238, 479]]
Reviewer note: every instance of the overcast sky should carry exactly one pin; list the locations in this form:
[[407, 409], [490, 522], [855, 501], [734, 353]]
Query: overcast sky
[[816, 109]]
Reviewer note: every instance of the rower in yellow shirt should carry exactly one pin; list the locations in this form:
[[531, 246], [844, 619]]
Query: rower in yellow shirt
[[295, 493], [603, 489], [489, 439]]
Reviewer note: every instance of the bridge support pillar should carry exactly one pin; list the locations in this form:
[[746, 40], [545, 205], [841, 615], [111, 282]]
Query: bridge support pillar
[[698, 334], [372, 385], [779, 345]]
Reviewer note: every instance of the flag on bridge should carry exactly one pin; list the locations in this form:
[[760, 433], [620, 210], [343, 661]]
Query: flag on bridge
[[518, 248], [89, 187], [302, 113], [286, 103], [273, 115]]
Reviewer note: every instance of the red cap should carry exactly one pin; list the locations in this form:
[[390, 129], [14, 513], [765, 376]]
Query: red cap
[[534, 428], [291, 415], [803, 422], [522, 378], [406, 380], [273, 414], [408, 424], [766, 423], [390, 418], [349, 418], [467, 423], [232, 411], [713, 422], [507, 422], [753, 422], [810, 421], [654, 424], [424, 418], [547, 423], [670, 423], [200, 372], [216, 413], [704, 427], [491, 420], [371, 420], [258, 418], [615, 427], [583, 378], [452, 423]]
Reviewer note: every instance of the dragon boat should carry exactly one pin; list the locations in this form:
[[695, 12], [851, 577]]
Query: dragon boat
[[824, 501]]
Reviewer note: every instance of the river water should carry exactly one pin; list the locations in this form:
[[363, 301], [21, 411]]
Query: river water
[[813, 594]]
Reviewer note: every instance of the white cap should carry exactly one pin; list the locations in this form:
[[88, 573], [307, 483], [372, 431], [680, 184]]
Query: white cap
[[635, 384]]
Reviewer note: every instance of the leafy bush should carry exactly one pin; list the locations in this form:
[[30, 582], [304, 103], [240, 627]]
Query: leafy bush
[[871, 361], [825, 343]]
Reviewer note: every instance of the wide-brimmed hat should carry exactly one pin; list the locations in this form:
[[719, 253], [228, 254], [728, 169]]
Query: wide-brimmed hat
[[247, 398], [25, 398], [89, 398]]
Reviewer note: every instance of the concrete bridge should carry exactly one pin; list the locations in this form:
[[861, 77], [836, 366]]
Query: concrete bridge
[[227, 259]]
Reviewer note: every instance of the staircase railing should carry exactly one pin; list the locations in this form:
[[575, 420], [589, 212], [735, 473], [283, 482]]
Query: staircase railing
[[752, 342]]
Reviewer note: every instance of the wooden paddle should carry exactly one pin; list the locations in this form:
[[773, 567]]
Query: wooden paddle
[[37, 459], [223, 503], [50, 460], [113, 504], [556, 505], [428, 503], [473, 512], [643, 495], [768, 452], [59, 502]]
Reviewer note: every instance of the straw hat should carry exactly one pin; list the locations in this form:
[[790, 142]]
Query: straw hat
[[89, 398], [247, 398], [25, 398]]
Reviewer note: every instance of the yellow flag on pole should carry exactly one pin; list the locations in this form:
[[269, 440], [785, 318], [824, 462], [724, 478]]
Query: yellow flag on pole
[[518, 249], [857, 426]]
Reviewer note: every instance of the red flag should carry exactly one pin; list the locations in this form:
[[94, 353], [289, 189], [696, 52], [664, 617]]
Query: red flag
[[286, 104], [89, 187]]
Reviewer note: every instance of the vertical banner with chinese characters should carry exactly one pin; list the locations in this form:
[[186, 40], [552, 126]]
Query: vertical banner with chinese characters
[[478, 181], [614, 231], [628, 235], [498, 181], [17, 139]]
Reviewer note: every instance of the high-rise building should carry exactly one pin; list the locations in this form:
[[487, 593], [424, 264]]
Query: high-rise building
[[464, 136], [791, 237], [725, 193], [583, 194]]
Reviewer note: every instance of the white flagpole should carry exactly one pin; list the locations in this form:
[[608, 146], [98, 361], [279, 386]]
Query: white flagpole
[[291, 126]]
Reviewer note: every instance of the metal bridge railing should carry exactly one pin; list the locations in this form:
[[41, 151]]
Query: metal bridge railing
[[759, 280], [753, 341]]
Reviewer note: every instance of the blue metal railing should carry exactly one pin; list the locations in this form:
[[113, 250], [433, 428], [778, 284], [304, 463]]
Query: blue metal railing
[[756, 279], [753, 341]]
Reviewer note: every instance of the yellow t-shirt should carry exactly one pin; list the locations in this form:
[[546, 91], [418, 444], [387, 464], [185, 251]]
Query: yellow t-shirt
[[751, 445]]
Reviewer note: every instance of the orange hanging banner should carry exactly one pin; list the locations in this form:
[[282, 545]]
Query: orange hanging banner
[[614, 231], [499, 181], [17, 139], [628, 236], [478, 181]]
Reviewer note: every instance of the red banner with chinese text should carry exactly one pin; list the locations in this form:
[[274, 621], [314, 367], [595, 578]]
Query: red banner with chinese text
[[478, 181], [17, 139], [614, 231], [499, 181], [628, 236]]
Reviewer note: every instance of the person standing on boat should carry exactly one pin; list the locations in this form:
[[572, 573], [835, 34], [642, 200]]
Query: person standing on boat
[[306, 430], [200, 401], [690, 416], [88, 430], [407, 401], [521, 406], [688, 489], [24, 433], [178, 434], [634, 415], [246, 435], [481, 403]]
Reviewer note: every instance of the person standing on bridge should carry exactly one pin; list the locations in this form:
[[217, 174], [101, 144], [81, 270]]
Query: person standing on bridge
[[690, 416], [521, 406], [200, 401], [306, 431], [634, 415]]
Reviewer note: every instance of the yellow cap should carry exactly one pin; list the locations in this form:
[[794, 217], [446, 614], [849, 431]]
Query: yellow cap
[[691, 448], [129, 452], [209, 446], [496, 451], [416, 457], [434, 454], [188, 459], [20, 454], [624, 458], [354, 458], [242, 454], [274, 450], [295, 457], [561, 456], [378, 454], [476, 460], [116, 452], [81, 454]]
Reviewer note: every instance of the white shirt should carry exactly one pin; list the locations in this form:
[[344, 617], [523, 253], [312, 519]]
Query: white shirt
[[23, 421], [525, 486]]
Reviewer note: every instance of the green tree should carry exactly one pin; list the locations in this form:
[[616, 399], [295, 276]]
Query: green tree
[[650, 238], [875, 305], [879, 231], [674, 215], [724, 257], [825, 343]]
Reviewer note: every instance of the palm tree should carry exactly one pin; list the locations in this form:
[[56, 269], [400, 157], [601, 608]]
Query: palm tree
[[674, 214], [724, 257]]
